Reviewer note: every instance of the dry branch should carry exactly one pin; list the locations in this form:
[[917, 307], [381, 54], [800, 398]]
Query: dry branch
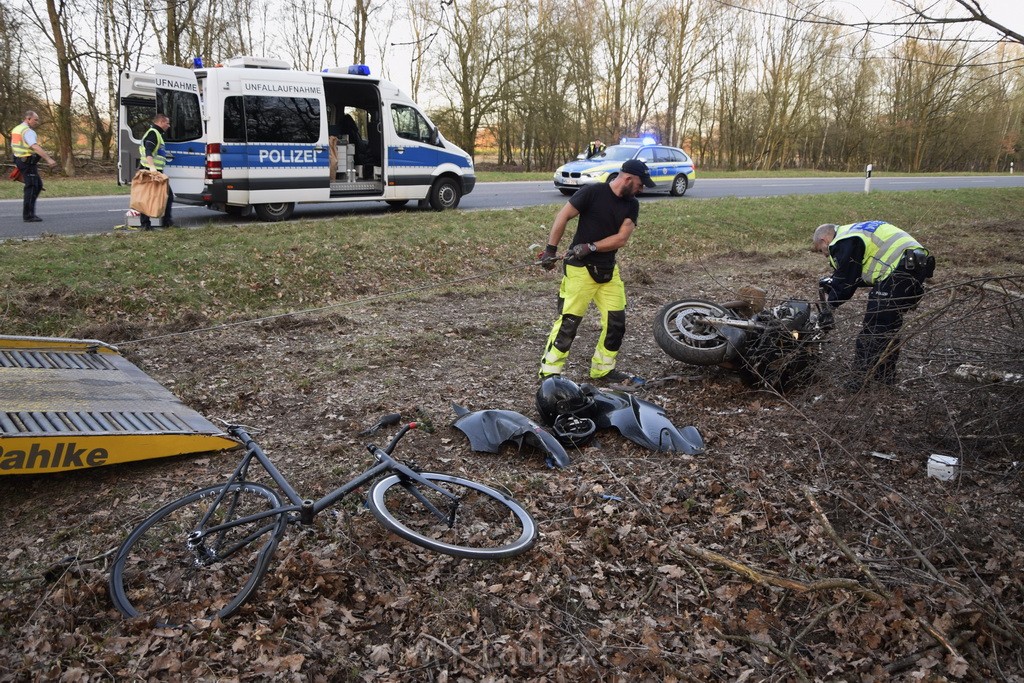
[[976, 373], [846, 550], [769, 579]]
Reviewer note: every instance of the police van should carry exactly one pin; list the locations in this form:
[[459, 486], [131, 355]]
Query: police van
[[252, 132]]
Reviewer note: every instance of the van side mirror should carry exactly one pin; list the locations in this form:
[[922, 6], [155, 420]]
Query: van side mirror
[[435, 136]]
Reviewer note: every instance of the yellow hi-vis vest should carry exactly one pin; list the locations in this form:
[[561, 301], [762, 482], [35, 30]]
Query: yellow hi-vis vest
[[18, 145], [159, 160], [884, 245]]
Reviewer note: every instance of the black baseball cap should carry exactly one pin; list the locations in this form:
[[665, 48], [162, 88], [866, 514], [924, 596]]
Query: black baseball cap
[[639, 169]]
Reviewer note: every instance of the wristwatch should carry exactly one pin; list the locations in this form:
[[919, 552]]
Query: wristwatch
[[592, 247]]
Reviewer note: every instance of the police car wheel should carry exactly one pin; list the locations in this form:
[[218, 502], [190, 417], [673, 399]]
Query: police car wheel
[[275, 212], [444, 194], [679, 185]]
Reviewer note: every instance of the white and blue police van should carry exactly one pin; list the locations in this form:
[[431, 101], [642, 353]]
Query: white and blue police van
[[254, 134]]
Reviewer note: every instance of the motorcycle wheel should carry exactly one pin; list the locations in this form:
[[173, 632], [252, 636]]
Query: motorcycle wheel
[[680, 333]]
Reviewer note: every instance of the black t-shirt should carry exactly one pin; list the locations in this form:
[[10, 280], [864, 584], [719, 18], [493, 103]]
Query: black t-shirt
[[602, 213]]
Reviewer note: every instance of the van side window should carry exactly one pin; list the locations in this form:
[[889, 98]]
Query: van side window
[[234, 119], [280, 119], [138, 114], [409, 123], [184, 112]]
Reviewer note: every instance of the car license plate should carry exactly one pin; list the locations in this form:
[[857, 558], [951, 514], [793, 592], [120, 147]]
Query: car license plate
[[570, 181]]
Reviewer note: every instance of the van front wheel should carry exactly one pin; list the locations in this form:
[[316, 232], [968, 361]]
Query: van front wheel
[[275, 212], [445, 194]]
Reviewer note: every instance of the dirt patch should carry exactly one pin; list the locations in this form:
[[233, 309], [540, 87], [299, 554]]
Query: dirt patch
[[787, 551]]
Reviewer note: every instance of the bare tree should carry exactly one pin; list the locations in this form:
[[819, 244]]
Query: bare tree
[[684, 22], [54, 25], [423, 31], [472, 33], [15, 96]]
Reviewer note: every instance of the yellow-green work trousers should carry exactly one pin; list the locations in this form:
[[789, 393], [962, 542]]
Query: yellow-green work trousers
[[575, 293]]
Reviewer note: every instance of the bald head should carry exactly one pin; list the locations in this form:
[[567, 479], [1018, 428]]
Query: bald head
[[823, 236]]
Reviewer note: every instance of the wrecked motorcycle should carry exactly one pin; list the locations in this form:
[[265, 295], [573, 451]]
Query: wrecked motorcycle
[[776, 347]]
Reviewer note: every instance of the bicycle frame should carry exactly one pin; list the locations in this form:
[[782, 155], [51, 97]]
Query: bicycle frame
[[307, 509]]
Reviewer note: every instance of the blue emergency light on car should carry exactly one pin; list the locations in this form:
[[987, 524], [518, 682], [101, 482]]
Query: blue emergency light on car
[[197, 62], [359, 70], [644, 140]]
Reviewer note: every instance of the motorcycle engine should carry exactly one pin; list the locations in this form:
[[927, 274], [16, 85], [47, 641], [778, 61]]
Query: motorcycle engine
[[794, 314]]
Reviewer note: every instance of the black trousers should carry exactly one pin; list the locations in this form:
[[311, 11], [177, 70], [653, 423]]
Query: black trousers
[[29, 168], [878, 344]]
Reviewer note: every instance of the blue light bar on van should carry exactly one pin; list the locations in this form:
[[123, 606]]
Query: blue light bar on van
[[359, 70], [197, 62]]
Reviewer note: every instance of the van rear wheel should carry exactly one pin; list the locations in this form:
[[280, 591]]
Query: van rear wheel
[[445, 194], [275, 212]]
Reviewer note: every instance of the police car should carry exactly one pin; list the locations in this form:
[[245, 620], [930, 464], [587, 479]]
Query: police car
[[671, 168]]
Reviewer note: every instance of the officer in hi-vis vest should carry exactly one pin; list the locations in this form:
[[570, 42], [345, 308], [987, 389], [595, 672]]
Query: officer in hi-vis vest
[[27, 153], [154, 157], [879, 255]]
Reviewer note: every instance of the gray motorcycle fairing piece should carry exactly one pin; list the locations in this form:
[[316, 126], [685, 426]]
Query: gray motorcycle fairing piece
[[489, 429], [640, 421]]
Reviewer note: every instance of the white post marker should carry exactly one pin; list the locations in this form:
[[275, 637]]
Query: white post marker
[[1011, 168], [867, 178]]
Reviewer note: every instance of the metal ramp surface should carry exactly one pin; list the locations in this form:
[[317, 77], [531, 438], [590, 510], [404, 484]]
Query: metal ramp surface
[[68, 404]]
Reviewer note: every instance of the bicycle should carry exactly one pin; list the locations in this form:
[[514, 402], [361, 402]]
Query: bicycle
[[184, 562]]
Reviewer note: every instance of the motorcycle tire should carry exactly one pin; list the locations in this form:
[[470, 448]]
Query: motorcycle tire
[[680, 333]]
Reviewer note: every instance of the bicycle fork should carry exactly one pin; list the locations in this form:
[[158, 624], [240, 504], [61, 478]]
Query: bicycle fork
[[411, 481]]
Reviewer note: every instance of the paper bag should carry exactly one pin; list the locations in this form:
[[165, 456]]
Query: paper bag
[[149, 193], [333, 159]]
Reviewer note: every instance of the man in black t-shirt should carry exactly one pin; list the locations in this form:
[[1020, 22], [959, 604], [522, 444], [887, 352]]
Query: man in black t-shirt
[[607, 216]]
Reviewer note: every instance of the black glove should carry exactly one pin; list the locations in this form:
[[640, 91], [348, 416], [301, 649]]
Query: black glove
[[549, 257], [581, 250], [826, 321]]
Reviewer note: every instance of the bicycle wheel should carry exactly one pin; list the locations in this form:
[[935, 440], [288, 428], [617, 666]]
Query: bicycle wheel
[[160, 572], [485, 524]]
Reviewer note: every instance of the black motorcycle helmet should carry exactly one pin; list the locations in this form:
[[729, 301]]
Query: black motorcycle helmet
[[559, 396], [573, 430]]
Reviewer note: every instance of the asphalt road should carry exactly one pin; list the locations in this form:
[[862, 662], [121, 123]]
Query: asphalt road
[[91, 215]]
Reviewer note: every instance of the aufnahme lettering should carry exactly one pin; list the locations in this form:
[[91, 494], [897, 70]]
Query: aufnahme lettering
[[282, 88], [170, 84]]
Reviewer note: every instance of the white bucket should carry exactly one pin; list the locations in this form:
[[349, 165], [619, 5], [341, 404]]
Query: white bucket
[[943, 467]]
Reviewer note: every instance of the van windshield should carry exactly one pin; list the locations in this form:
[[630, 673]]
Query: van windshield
[[185, 113]]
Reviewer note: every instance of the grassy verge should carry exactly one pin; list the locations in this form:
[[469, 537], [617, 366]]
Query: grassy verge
[[60, 186], [88, 186], [58, 286]]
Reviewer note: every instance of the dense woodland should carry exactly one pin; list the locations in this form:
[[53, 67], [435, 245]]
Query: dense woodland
[[755, 84]]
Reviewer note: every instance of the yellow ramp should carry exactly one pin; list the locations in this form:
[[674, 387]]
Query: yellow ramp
[[68, 404]]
